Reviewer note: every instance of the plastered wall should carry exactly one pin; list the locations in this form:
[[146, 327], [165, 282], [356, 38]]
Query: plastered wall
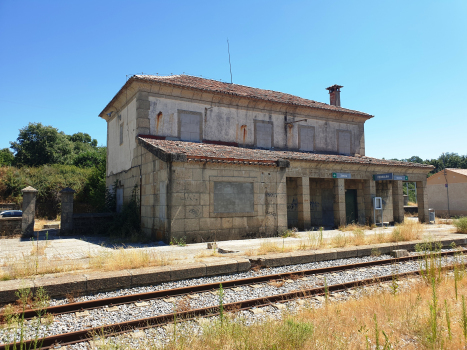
[[120, 156], [237, 124]]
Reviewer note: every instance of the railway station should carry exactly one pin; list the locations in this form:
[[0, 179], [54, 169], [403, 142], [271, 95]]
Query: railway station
[[218, 161]]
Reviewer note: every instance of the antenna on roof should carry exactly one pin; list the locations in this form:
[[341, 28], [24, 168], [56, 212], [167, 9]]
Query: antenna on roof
[[230, 64]]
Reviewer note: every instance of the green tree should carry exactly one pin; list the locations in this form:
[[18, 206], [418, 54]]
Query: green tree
[[6, 157], [38, 144], [91, 158]]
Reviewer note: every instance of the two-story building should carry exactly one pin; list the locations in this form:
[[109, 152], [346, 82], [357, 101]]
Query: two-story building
[[218, 161]]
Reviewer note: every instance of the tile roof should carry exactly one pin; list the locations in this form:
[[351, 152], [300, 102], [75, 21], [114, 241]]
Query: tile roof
[[459, 171], [204, 152], [203, 84]]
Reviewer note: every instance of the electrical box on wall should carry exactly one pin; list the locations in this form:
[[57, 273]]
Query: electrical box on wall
[[378, 203]]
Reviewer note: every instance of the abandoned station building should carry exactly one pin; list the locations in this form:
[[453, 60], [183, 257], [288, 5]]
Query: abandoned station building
[[217, 161]]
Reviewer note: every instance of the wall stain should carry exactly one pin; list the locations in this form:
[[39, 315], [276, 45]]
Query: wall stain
[[244, 132], [158, 119]]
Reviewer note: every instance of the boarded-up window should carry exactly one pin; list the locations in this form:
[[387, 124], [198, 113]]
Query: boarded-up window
[[121, 133], [263, 135], [190, 126], [307, 138], [343, 140], [233, 197]]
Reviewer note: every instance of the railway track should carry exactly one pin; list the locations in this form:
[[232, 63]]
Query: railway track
[[122, 327]]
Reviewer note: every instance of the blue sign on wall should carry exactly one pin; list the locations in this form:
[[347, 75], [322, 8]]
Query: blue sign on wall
[[401, 177], [379, 177], [341, 176]]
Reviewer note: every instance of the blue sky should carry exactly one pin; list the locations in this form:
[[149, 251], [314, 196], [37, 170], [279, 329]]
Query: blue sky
[[405, 62]]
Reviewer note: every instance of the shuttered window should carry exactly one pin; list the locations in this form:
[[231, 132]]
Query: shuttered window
[[190, 126], [307, 138], [344, 142], [263, 135]]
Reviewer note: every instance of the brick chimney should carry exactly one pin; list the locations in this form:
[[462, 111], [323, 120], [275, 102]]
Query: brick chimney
[[335, 95]]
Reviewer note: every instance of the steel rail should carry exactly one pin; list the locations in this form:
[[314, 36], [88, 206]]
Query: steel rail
[[125, 299], [123, 327]]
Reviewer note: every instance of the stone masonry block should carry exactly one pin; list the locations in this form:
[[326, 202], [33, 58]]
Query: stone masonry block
[[346, 253], [225, 266], [243, 265], [181, 272], [302, 257], [107, 281], [150, 275], [143, 104], [273, 260], [142, 123], [8, 289], [62, 285], [326, 254]]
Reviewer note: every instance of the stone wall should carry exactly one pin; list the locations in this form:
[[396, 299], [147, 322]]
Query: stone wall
[[9, 206], [91, 223], [10, 227]]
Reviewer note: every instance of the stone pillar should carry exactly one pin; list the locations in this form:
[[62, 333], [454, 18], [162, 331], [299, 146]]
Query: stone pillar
[[339, 202], [281, 201], [369, 190], [66, 222], [422, 201], [29, 210], [398, 201], [142, 113], [304, 214]]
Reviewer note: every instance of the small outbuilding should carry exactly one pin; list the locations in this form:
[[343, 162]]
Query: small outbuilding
[[447, 192]]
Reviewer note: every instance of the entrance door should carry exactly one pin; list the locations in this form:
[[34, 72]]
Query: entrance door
[[327, 205], [351, 211]]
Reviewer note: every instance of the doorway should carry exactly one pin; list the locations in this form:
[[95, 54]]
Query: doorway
[[351, 210]]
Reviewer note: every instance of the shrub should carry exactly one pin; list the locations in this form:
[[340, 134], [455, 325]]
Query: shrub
[[461, 224]]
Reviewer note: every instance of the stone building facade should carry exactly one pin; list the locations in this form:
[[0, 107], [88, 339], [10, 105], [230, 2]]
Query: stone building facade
[[218, 161], [447, 192]]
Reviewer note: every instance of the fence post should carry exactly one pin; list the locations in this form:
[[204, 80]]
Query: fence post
[[29, 210], [66, 221]]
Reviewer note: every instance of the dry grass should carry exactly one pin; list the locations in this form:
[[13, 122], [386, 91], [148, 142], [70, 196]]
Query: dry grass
[[461, 225], [412, 204], [420, 317], [35, 263], [122, 258], [207, 254], [408, 231], [353, 227]]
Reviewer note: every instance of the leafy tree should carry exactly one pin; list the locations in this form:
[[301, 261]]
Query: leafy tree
[[38, 145], [91, 158], [6, 157]]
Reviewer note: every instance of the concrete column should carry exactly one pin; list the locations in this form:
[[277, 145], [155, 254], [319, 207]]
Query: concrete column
[[304, 214], [422, 201], [398, 201], [29, 210], [369, 190], [339, 202], [66, 223]]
